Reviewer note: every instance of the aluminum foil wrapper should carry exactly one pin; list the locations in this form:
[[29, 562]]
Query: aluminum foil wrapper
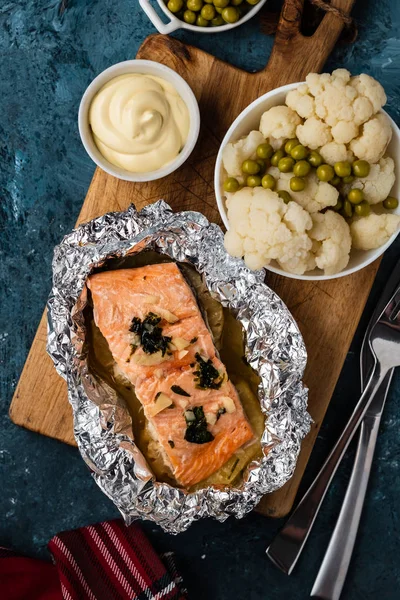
[[102, 424]]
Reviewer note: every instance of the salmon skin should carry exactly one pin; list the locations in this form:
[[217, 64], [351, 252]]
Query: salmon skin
[[160, 342]]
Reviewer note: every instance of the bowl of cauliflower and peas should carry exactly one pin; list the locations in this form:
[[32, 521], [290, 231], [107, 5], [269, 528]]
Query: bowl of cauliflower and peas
[[305, 178]]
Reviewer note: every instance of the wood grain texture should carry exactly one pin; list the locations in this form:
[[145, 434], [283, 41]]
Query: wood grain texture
[[325, 311]]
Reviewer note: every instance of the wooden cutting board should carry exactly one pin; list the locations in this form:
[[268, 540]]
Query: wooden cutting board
[[325, 311]]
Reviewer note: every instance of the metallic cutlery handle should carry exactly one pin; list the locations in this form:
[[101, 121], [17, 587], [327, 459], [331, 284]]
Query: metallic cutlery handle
[[332, 574], [288, 544]]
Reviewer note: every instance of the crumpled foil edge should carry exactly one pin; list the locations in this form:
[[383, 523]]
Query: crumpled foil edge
[[102, 424]]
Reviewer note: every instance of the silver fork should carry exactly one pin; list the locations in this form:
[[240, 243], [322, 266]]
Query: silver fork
[[384, 341], [333, 571]]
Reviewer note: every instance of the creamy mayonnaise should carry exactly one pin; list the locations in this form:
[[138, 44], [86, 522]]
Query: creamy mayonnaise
[[139, 122]]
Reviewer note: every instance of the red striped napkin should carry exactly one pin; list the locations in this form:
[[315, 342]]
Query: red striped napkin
[[107, 561]]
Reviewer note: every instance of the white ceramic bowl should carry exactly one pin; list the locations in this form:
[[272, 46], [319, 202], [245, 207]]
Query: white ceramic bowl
[[175, 23], [147, 67], [248, 120]]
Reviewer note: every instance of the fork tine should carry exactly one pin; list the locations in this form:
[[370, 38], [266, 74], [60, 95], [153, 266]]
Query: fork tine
[[391, 310], [395, 313]]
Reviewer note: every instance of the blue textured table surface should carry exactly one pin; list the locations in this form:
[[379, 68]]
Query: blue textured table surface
[[47, 60]]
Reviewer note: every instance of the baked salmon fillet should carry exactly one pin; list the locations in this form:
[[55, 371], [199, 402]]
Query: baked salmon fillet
[[160, 342]]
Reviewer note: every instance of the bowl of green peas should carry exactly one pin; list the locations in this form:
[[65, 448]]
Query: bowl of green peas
[[289, 160], [203, 16]]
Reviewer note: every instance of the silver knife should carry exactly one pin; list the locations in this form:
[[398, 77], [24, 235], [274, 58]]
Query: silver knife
[[332, 574]]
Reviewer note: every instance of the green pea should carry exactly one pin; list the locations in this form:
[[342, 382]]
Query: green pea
[[290, 144], [348, 179], [252, 2], [361, 168], [299, 152], [236, 2], [263, 166], [342, 168], [315, 159], [335, 181], [250, 167], [301, 168], [208, 12], [325, 173], [208, 1], [230, 14], [390, 203], [175, 5], [268, 182], [231, 185], [276, 157], [202, 22], [286, 164], [286, 197], [265, 151], [297, 184], [355, 196], [219, 11], [253, 180], [347, 210], [221, 3], [363, 209], [189, 17], [194, 5], [338, 206], [217, 21]]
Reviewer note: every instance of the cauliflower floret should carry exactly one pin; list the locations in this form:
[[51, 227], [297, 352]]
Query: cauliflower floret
[[301, 101], [296, 218], [316, 195], [264, 228], [371, 89], [343, 132], [335, 107], [333, 153], [373, 231], [341, 76], [279, 123], [235, 153], [374, 139], [313, 133], [332, 103], [316, 82], [345, 103], [377, 185], [297, 257], [333, 234]]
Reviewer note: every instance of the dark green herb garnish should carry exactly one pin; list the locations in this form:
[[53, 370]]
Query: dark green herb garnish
[[196, 431], [208, 377], [151, 337], [136, 326], [171, 443], [221, 411], [178, 390], [194, 340]]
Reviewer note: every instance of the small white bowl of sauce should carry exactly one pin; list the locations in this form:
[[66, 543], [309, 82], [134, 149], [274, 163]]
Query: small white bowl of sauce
[[139, 120]]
